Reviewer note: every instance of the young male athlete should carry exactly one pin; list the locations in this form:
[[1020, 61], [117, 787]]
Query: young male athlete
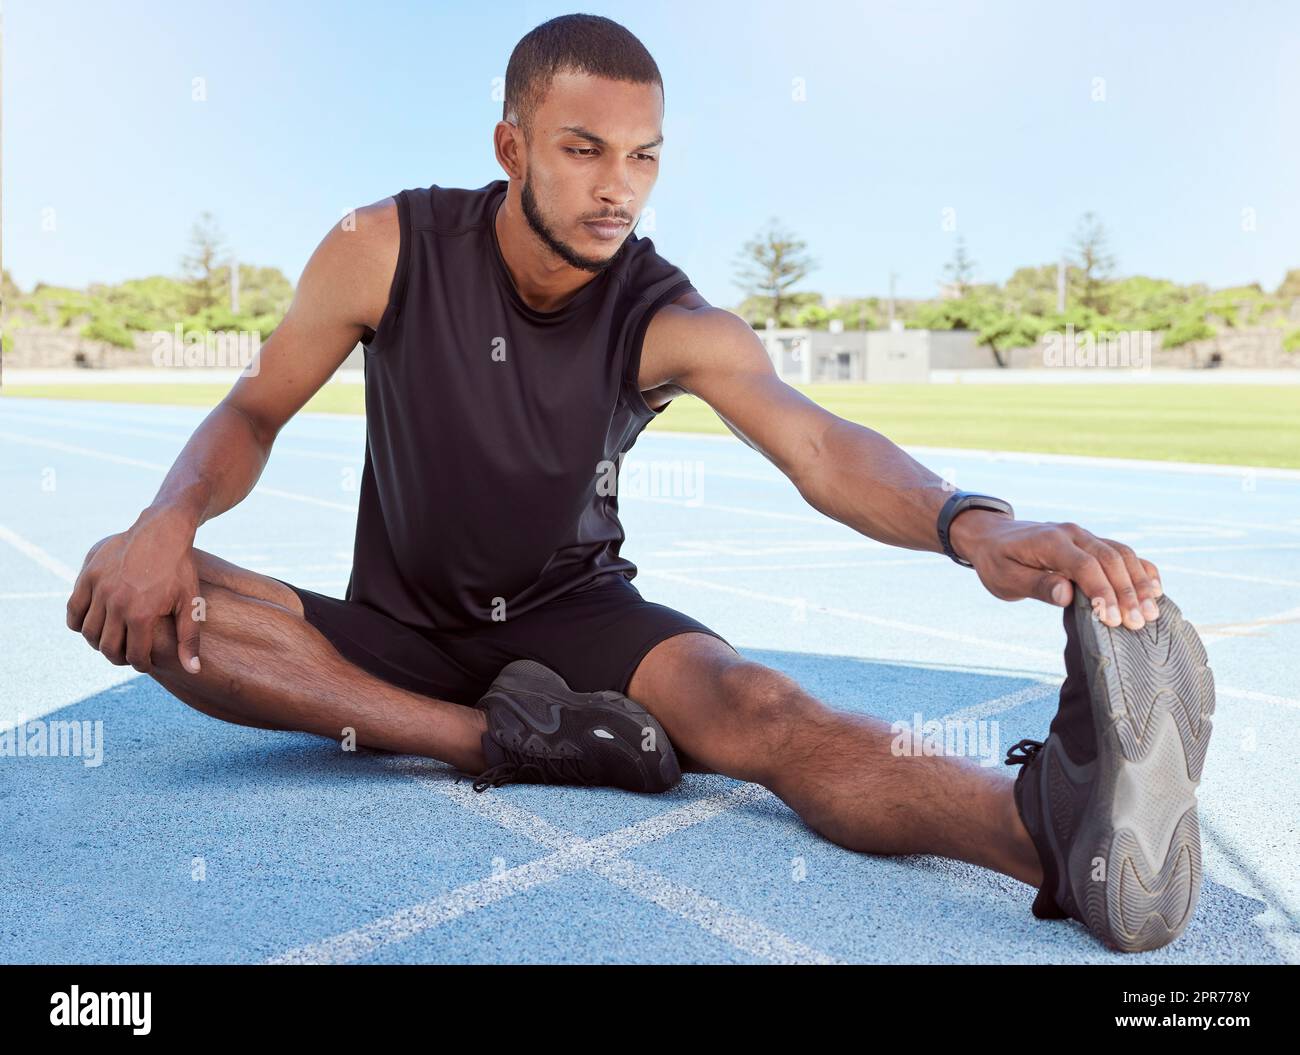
[[518, 337]]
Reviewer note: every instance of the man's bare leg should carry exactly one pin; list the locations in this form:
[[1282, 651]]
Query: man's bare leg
[[264, 665], [836, 770]]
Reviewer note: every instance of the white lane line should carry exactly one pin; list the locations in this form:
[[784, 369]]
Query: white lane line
[[1016, 478], [87, 452], [293, 496], [416, 919], [1027, 503], [1032, 457], [743, 933], [1248, 628], [723, 922], [709, 547], [741, 510], [102, 413], [739, 930], [1224, 547], [1146, 514], [1092, 461], [705, 549], [1009, 702], [1266, 580], [802, 604], [1257, 697], [810, 566], [178, 438], [34, 552], [1222, 492], [569, 854], [1276, 924], [1055, 658]]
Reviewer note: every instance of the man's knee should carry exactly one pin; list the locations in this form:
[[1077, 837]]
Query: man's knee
[[220, 572], [762, 713]]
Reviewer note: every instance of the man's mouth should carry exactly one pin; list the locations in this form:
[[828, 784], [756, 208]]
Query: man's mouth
[[606, 229]]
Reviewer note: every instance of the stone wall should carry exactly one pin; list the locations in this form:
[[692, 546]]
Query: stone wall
[[1242, 348], [1246, 347], [47, 348]]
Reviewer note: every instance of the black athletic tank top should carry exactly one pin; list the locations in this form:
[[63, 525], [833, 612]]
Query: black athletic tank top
[[493, 430]]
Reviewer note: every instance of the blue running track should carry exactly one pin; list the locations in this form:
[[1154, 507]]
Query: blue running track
[[194, 840]]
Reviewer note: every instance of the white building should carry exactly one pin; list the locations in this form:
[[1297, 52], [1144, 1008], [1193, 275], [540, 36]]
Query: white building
[[805, 356]]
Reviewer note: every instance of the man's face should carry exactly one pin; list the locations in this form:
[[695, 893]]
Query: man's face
[[594, 155]]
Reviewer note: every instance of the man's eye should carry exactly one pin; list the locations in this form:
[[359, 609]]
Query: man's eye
[[588, 151]]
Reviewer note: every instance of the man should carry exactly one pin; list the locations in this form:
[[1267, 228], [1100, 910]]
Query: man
[[518, 337]]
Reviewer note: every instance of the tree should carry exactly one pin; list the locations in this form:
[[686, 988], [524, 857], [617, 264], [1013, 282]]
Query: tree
[[202, 266], [1093, 260], [8, 287], [1032, 290], [770, 265], [960, 269], [980, 311], [1290, 287]]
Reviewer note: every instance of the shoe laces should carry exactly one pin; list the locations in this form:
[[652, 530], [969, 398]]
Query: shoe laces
[[547, 769], [1026, 748]]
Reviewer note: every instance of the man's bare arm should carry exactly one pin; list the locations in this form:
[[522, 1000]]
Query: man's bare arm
[[131, 580], [343, 290], [857, 476], [719, 358]]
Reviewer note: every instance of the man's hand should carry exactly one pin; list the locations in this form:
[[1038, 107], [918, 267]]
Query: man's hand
[[130, 581], [1016, 559]]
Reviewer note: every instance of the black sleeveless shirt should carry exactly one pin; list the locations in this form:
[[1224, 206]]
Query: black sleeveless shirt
[[493, 430]]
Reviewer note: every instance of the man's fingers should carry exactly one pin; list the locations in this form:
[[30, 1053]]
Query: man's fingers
[[1087, 571], [1054, 589], [112, 639], [1016, 581], [1119, 590], [93, 623], [78, 602], [1140, 578], [1153, 573], [139, 643], [187, 635]]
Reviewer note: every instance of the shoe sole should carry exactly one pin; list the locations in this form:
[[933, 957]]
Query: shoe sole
[[1137, 860], [625, 717]]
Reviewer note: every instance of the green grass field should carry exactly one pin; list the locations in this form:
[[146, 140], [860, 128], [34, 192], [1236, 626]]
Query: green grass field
[[1233, 424]]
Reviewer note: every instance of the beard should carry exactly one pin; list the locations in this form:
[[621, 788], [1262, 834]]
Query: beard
[[561, 249]]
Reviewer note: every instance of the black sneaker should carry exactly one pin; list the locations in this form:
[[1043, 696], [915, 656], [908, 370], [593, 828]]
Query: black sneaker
[[1110, 799], [542, 732]]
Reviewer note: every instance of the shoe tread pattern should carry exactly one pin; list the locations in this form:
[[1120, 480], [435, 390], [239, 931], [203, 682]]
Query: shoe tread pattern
[[1153, 698]]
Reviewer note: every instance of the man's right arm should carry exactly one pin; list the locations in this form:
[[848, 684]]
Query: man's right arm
[[343, 290], [132, 579]]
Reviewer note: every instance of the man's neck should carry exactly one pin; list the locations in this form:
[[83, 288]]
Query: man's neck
[[541, 287]]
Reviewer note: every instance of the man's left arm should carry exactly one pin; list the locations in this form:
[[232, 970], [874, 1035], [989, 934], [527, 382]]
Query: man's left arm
[[860, 478]]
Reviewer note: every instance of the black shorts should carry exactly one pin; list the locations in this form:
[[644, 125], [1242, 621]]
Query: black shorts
[[593, 637]]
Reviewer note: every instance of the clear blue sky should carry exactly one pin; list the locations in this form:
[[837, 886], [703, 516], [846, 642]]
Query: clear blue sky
[[911, 109]]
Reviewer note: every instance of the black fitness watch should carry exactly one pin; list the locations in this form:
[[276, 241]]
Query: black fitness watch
[[959, 502]]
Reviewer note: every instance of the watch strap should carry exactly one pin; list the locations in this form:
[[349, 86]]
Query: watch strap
[[959, 502]]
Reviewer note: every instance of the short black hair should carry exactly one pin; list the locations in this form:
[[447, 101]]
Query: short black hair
[[588, 44]]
